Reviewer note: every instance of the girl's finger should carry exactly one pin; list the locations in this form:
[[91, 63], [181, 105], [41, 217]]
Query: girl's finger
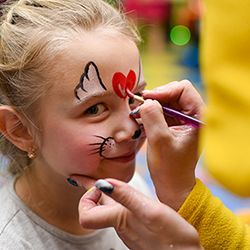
[[90, 199], [94, 215]]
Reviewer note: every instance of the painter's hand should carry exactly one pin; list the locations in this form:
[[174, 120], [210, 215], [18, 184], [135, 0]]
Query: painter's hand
[[142, 223], [172, 146]]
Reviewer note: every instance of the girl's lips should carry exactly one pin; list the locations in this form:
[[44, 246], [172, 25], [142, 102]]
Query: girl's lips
[[124, 158]]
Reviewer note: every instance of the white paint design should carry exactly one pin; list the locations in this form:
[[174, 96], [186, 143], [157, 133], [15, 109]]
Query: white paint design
[[90, 82]]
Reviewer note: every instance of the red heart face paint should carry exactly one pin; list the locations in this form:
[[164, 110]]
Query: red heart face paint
[[121, 82]]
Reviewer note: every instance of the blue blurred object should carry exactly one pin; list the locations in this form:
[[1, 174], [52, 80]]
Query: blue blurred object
[[190, 56]]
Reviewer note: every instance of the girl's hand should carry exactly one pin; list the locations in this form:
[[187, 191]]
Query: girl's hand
[[172, 145], [140, 222]]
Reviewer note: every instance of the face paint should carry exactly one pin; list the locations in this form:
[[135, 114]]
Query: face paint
[[90, 82], [121, 82], [105, 145], [108, 148], [136, 134]]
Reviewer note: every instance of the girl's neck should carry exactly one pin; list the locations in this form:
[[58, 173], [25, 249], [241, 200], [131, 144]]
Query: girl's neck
[[54, 201]]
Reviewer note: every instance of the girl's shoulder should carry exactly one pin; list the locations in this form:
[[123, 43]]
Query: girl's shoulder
[[10, 219], [20, 226], [8, 208]]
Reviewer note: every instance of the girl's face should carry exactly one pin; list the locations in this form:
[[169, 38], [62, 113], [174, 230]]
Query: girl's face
[[86, 126]]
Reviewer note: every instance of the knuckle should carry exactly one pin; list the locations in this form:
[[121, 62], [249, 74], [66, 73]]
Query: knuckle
[[150, 107], [160, 137], [153, 217], [186, 82], [84, 222], [121, 222]]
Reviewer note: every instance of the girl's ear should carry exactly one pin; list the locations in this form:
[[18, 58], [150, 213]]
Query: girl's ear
[[14, 128]]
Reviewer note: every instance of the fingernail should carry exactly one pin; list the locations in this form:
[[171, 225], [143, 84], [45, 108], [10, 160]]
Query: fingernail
[[144, 91], [159, 88], [148, 100], [135, 111], [90, 190], [104, 186], [72, 182]]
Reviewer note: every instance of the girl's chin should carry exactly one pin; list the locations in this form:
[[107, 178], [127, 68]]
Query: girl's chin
[[122, 175], [112, 169]]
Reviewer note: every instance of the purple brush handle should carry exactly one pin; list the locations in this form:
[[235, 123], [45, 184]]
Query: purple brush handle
[[176, 114]]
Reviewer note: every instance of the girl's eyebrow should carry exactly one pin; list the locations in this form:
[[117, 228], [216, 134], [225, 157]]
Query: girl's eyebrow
[[90, 97]]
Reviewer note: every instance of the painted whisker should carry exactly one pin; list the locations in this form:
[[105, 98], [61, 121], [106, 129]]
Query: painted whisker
[[106, 142]]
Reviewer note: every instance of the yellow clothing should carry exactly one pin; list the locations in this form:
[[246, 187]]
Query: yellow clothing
[[218, 227], [225, 67]]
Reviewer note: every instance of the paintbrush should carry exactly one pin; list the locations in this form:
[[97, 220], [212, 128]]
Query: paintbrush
[[170, 112]]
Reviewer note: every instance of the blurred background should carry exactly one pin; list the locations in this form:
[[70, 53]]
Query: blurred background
[[170, 33]]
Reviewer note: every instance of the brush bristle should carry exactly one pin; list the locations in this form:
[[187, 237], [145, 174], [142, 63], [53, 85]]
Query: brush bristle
[[134, 97], [138, 99]]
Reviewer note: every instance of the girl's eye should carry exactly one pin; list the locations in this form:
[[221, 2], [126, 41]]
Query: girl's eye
[[131, 101], [96, 109]]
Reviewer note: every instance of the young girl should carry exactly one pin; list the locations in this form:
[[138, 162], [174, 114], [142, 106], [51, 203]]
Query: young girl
[[64, 68]]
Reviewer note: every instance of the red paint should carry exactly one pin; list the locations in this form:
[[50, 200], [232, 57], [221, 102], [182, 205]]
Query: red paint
[[121, 82]]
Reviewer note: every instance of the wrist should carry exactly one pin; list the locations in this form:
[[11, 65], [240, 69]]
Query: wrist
[[172, 194]]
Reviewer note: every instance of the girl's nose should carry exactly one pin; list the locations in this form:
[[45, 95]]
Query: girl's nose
[[127, 129]]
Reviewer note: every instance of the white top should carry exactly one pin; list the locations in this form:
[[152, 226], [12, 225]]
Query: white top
[[22, 229]]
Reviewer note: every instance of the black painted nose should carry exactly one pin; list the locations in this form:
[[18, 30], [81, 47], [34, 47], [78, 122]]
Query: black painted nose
[[136, 134]]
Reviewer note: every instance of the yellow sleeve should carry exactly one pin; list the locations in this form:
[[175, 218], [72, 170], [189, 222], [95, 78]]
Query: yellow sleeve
[[217, 226], [225, 68]]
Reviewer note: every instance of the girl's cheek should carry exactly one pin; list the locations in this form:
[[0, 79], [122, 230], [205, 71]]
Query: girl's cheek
[[82, 152], [85, 163]]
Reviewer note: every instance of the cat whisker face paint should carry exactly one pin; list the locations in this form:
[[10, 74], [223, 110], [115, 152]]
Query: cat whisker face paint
[[105, 144], [108, 148]]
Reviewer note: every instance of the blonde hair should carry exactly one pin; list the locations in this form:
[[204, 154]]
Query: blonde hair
[[32, 33]]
